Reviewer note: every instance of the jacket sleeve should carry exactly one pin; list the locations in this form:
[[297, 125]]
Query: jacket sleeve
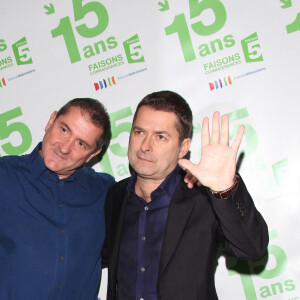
[[107, 209], [241, 228]]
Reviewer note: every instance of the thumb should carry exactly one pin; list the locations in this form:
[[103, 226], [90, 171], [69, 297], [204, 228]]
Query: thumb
[[186, 165]]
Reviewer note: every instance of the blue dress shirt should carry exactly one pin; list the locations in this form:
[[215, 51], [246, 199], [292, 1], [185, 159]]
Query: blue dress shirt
[[142, 237], [51, 230]]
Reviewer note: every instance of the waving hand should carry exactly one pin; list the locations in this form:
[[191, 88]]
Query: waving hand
[[217, 165]]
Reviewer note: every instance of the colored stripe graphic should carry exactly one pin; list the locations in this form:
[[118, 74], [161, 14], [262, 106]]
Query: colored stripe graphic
[[104, 83], [219, 83], [96, 86], [2, 82], [225, 81], [211, 86]]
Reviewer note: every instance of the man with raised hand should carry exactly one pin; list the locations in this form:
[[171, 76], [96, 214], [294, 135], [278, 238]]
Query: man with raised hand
[[52, 209], [162, 236]]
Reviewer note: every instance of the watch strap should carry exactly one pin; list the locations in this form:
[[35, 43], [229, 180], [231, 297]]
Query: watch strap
[[225, 193]]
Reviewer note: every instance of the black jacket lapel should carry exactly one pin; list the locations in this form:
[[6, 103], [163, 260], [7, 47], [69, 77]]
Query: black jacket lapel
[[116, 230], [181, 207]]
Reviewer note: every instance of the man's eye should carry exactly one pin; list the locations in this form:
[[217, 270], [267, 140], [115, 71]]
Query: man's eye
[[81, 145], [161, 137], [63, 129]]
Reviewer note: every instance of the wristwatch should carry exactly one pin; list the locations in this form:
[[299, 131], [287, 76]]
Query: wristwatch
[[225, 193]]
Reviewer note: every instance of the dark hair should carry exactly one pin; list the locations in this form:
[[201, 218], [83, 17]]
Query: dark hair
[[97, 113], [171, 102]]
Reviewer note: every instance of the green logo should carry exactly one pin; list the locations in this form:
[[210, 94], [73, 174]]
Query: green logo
[[245, 269], [7, 128], [222, 63], [280, 171], [117, 128], [65, 29], [133, 50], [251, 48], [21, 52], [6, 63], [180, 25], [106, 64], [3, 46]]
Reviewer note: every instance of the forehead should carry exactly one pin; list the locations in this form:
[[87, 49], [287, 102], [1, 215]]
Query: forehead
[[80, 123], [74, 113], [149, 118]]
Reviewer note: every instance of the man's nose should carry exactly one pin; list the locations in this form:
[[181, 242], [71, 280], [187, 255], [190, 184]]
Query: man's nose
[[146, 144], [65, 146]]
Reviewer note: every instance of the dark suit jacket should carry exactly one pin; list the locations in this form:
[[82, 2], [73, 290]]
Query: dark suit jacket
[[197, 224]]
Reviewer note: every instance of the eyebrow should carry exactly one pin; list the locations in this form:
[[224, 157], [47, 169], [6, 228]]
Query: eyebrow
[[66, 125], [134, 127]]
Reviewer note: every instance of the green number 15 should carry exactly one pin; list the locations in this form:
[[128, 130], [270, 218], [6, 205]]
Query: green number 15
[[65, 29], [180, 26]]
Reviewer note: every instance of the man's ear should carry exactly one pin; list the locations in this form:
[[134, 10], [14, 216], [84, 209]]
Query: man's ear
[[184, 148], [51, 120], [93, 155]]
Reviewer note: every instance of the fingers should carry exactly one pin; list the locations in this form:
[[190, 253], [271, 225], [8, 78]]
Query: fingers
[[225, 130], [218, 137], [188, 176], [187, 166], [205, 137], [238, 138], [190, 180], [215, 134]]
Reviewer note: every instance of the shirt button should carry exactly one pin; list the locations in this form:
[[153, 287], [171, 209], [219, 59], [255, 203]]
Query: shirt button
[[58, 286], [143, 238], [58, 181], [61, 258], [61, 231], [146, 208], [59, 205], [143, 269]]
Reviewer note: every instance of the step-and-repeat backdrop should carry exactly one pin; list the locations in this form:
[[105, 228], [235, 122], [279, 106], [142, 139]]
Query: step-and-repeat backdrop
[[239, 57]]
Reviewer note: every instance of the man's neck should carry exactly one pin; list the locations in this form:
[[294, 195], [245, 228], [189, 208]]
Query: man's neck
[[145, 186]]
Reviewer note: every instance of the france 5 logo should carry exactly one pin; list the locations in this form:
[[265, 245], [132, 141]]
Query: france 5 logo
[[21, 53]]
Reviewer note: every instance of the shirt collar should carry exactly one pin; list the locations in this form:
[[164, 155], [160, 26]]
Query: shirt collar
[[39, 167], [168, 185]]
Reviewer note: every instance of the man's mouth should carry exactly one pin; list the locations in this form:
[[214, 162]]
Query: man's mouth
[[145, 159]]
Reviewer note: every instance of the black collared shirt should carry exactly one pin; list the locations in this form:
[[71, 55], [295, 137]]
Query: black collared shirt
[[142, 237]]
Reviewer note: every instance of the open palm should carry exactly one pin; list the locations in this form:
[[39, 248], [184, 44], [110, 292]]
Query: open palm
[[217, 165]]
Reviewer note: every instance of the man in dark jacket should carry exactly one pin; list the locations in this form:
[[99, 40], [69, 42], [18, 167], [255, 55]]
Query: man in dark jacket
[[162, 236]]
